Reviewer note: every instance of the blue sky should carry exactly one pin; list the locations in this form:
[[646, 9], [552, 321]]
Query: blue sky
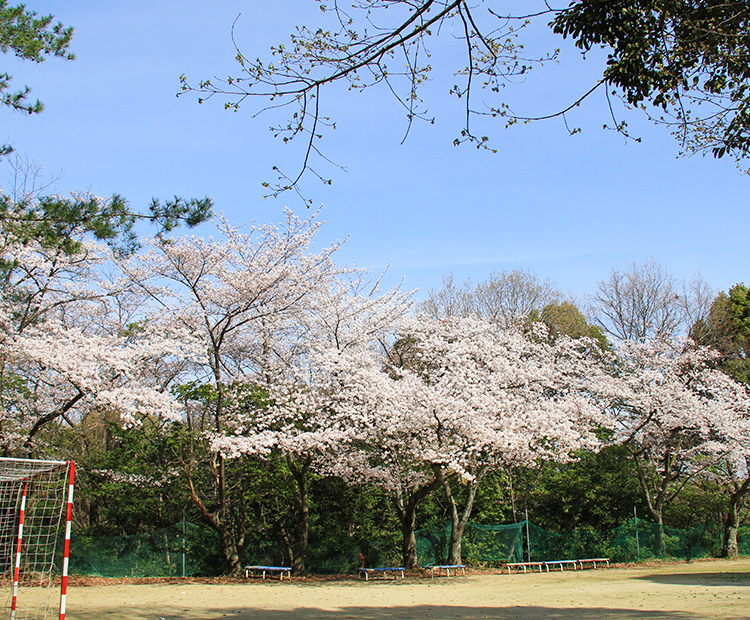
[[569, 208]]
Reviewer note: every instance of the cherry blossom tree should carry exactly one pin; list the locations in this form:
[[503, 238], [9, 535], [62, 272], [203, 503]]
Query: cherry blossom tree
[[456, 397], [69, 374], [296, 421], [733, 471], [676, 413], [66, 351], [255, 299]]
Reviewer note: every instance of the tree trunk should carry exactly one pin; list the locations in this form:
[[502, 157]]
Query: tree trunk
[[655, 504], [458, 519], [230, 548], [302, 525], [409, 544], [230, 551], [407, 514], [660, 544], [729, 547]]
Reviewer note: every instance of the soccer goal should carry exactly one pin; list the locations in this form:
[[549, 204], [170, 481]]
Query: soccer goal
[[36, 500]]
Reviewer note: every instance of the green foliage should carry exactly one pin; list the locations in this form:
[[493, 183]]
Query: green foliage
[[347, 520], [727, 329], [502, 496], [29, 37], [32, 37], [127, 482], [178, 211], [674, 53], [566, 319], [58, 222], [704, 501], [598, 491]]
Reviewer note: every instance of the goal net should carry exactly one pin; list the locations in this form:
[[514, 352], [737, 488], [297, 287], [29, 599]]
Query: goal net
[[35, 511]]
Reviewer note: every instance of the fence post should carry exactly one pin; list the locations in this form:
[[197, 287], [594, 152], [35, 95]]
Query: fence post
[[183, 544], [528, 536], [637, 543]]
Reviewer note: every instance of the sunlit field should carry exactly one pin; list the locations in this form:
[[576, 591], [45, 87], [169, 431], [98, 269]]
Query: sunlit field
[[679, 591]]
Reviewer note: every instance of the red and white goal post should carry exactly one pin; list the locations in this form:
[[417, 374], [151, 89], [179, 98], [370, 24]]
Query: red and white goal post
[[36, 503]]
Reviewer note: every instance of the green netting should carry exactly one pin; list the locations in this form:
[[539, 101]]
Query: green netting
[[188, 549], [480, 545], [743, 540], [182, 549], [341, 556], [633, 541]]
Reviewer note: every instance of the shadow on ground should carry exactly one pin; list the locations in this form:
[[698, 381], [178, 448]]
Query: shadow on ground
[[418, 612], [701, 579]]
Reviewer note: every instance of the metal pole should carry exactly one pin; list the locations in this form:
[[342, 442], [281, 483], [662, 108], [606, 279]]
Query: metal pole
[[17, 568], [637, 544], [183, 544], [528, 538], [66, 549]]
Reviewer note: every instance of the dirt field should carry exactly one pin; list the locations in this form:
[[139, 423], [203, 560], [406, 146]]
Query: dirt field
[[686, 591]]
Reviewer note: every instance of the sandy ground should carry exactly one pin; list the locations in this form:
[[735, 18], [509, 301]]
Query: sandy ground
[[701, 589]]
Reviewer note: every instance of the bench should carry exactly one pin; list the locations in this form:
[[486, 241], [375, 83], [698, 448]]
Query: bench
[[269, 569], [525, 565], [447, 568], [383, 571], [576, 564], [562, 564], [593, 561]]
